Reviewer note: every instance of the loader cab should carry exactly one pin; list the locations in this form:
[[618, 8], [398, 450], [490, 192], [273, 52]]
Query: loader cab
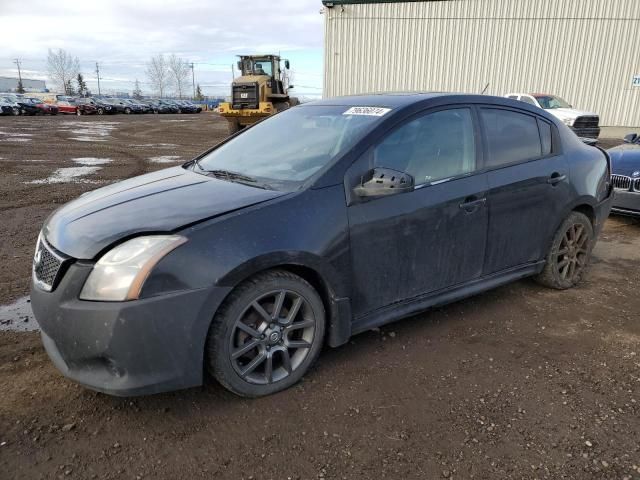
[[265, 65]]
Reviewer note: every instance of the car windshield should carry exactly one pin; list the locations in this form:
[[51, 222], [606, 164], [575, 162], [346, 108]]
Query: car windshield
[[551, 101], [290, 147]]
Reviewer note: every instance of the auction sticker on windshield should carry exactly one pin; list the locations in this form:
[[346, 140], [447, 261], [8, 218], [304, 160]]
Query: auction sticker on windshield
[[371, 111]]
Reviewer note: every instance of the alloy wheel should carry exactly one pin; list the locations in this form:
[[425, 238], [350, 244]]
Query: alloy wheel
[[272, 337], [573, 252]]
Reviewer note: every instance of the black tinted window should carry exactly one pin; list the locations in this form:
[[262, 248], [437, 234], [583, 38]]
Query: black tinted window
[[545, 136], [433, 147], [511, 137]]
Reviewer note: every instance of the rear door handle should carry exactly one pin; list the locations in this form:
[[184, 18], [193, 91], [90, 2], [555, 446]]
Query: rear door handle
[[556, 178], [471, 204]]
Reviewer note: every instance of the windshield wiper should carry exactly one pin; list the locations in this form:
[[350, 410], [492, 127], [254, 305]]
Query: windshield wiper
[[235, 177]]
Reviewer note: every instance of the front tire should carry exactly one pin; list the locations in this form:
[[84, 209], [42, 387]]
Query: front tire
[[78, 112], [570, 253], [100, 111], [127, 111], [266, 335]]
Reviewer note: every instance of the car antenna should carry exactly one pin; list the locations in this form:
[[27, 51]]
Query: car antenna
[[484, 89]]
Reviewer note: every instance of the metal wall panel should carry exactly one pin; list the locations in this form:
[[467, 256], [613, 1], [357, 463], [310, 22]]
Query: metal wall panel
[[585, 51]]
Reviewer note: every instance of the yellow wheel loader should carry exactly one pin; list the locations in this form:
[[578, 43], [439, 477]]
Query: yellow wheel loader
[[260, 91]]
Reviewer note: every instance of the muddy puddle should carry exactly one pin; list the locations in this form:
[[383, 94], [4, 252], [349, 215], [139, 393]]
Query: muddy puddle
[[18, 316]]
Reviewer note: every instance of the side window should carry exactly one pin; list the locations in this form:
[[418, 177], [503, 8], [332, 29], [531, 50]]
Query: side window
[[528, 100], [545, 137], [511, 137], [433, 147]]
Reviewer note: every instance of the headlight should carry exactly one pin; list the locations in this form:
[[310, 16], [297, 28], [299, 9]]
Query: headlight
[[569, 121], [121, 272]]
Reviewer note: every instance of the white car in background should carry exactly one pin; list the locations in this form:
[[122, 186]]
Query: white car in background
[[585, 124]]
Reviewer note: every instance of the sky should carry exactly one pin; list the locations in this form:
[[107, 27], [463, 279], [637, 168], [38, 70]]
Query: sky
[[122, 35]]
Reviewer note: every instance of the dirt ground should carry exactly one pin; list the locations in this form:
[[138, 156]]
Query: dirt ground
[[520, 382]]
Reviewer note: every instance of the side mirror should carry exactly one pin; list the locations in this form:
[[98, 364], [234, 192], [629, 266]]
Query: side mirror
[[286, 64], [381, 182], [631, 138], [240, 66], [292, 86]]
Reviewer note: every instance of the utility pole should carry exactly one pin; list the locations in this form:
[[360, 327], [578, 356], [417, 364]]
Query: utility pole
[[20, 86], [193, 79], [98, 74]]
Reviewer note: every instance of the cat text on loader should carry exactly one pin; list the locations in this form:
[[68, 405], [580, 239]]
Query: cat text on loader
[[261, 90]]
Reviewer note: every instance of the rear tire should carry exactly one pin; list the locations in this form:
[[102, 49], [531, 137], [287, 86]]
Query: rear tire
[[127, 111], [570, 253], [266, 334], [78, 112]]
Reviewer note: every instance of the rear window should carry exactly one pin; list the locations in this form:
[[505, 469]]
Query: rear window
[[511, 137], [545, 137]]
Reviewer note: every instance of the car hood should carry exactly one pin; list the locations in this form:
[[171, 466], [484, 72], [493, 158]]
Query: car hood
[[563, 113], [625, 160], [162, 201]]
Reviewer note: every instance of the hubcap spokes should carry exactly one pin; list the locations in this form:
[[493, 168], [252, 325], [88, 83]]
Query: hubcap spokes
[[572, 254], [272, 337]]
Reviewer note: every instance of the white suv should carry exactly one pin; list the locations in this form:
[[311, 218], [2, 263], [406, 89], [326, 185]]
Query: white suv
[[585, 124]]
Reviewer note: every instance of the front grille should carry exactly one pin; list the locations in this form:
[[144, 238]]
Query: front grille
[[47, 266], [621, 182], [586, 122], [245, 95]]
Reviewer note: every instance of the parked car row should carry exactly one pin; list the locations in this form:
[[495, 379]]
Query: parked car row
[[23, 104]]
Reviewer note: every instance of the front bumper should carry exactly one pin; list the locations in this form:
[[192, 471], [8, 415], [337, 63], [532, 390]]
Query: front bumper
[[626, 203], [126, 348]]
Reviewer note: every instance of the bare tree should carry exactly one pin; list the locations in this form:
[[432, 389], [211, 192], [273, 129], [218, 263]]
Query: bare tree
[[63, 67], [158, 73], [179, 74]]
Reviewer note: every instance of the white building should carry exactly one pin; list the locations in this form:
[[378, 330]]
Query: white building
[[585, 51], [10, 84]]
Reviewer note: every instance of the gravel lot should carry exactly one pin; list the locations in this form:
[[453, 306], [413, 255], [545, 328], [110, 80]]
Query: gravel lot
[[520, 382]]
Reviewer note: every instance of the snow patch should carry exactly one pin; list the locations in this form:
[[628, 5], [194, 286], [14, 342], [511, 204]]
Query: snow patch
[[68, 175], [13, 134], [91, 130], [146, 145], [92, 161], [14, 139], [88, 166], [18, 316], [87, 139], [165, 159]]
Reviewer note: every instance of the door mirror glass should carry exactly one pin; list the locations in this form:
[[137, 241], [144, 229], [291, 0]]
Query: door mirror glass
[[286, 64], [380, 182], [631, 138]]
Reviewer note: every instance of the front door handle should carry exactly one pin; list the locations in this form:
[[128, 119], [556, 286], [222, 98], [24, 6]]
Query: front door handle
[[471, 204], [556, 178]]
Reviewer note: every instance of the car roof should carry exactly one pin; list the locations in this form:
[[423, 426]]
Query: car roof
[[405, 99]]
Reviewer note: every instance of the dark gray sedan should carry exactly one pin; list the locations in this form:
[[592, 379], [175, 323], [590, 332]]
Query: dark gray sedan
[[321, 222]]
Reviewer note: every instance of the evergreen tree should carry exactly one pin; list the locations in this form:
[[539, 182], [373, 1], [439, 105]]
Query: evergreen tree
[[199, 95], [82, 86], [68, 88], [137, 92]]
